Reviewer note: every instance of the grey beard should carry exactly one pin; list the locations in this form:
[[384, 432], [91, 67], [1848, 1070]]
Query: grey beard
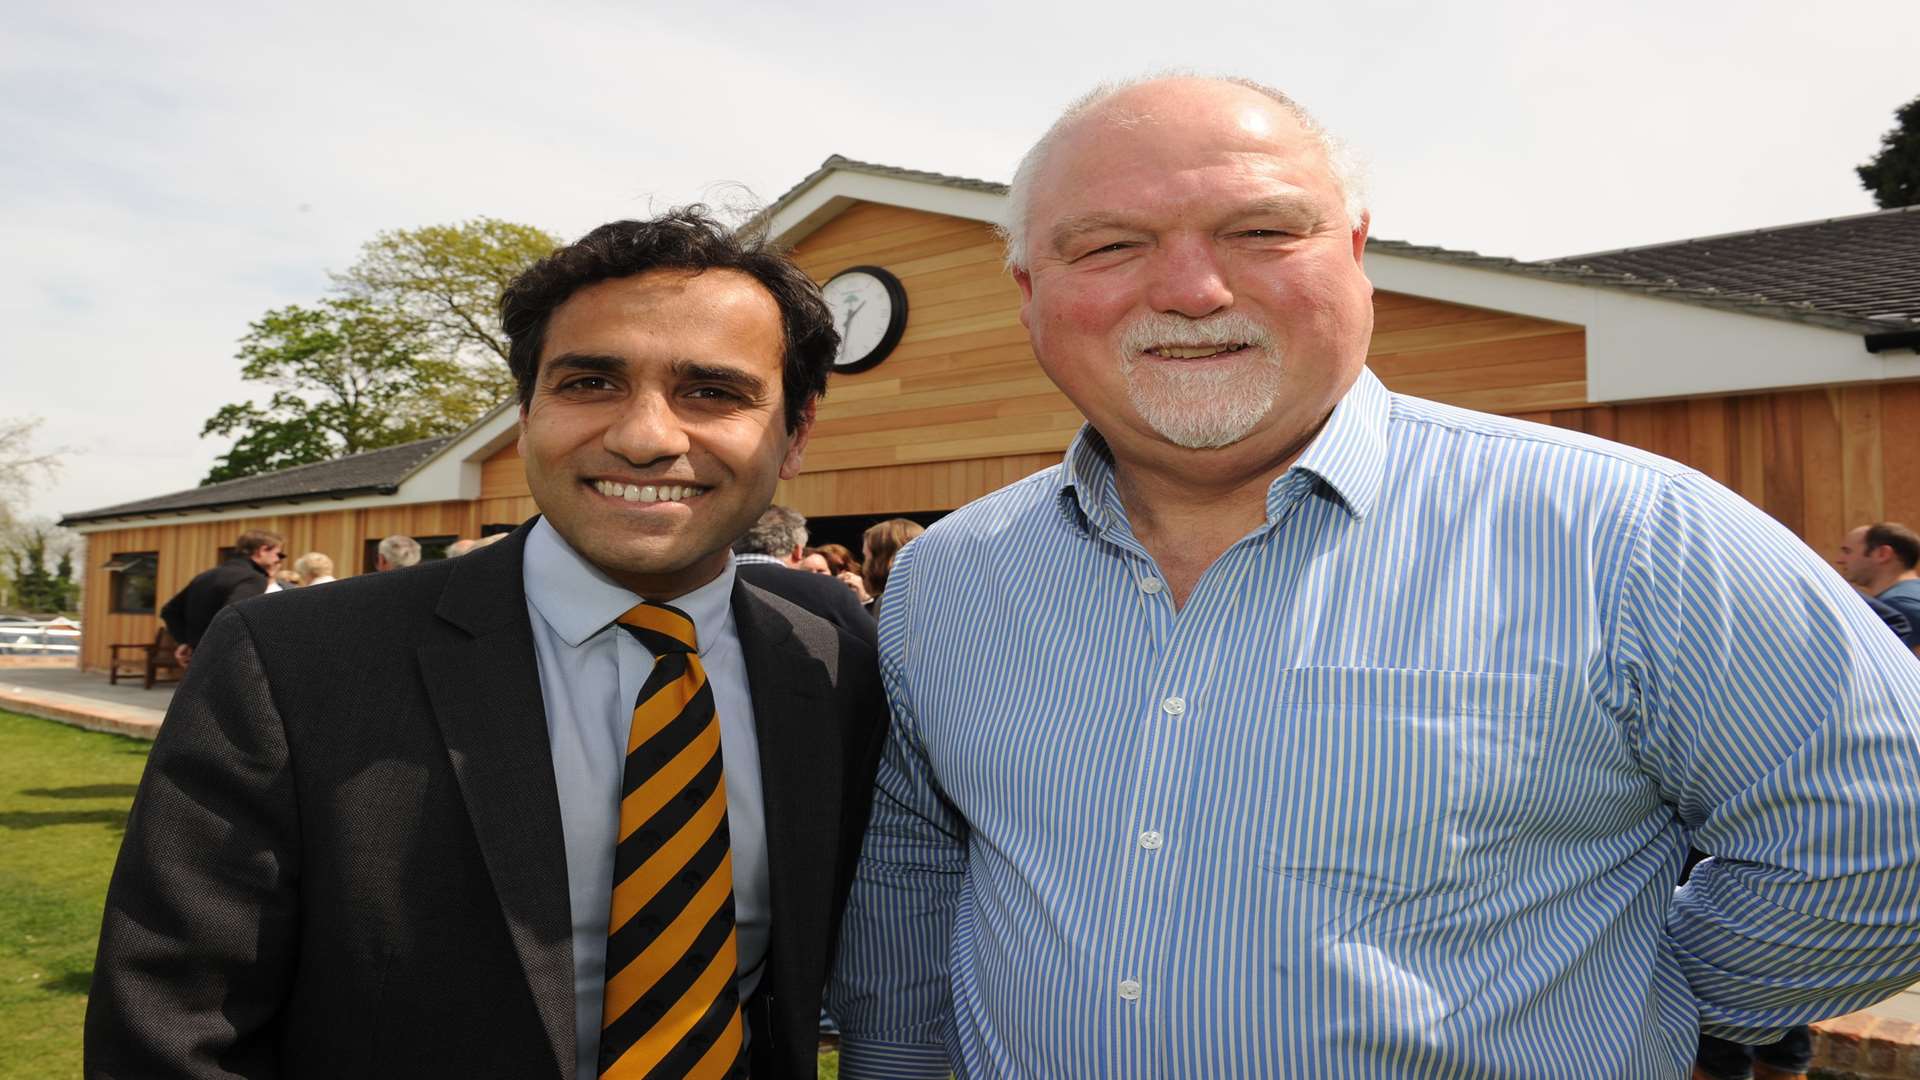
[[1203, 408]]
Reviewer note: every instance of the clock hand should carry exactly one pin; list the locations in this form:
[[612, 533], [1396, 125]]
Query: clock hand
[[846, 326]]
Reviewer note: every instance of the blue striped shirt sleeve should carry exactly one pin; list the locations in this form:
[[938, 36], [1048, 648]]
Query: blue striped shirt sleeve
[[890, 993], [1770, 712]]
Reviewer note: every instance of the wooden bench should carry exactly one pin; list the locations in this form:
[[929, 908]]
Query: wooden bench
[[149, 660]]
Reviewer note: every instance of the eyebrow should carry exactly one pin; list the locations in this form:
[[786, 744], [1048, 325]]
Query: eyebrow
[[1285, 203], [751, 385], [596, 362], [1070, 228]]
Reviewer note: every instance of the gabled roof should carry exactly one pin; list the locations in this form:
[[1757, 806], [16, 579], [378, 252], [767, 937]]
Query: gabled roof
[[1864, 268], [1572, 272], [376, 472], [837, 164]]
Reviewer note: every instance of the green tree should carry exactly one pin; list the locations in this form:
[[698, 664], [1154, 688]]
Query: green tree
[[344, 374], [35, 587], [448, 280], [1893, 176]]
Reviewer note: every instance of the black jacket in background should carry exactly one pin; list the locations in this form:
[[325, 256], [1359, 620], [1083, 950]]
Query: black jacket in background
[[825, 596], [192, 609]]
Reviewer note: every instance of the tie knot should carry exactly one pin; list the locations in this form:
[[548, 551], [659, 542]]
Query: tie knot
[[661, 628]]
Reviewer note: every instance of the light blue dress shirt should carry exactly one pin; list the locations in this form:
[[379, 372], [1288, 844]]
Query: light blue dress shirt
[[591, 672], [1401, 791]]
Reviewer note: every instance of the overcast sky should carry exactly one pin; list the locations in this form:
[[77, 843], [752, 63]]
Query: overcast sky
[[168, 172]]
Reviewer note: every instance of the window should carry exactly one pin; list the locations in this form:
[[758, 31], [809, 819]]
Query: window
[[130, 582], [431, 547]]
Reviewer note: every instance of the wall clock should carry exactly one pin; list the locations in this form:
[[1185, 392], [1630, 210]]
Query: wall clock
[[869, 308]]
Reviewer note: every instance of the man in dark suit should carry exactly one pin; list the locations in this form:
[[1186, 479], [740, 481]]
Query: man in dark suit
[[769, 555], [241, 576], [577, 805]]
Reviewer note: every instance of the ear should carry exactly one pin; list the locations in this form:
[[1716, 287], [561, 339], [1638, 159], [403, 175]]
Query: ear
[[520, 443], [1360, 239], [797, 442], [1024, 279]]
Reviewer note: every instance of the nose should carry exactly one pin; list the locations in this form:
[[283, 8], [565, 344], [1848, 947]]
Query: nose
[[1187, 279], [647, 430]]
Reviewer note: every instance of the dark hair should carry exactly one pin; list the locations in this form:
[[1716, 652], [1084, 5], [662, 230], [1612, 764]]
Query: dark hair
[[254, 539], [684, 238], [882, 542], [838, 557], [1904, 541]]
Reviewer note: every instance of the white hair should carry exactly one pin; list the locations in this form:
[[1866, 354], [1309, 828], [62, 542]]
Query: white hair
[[400, 551], [1341, 161]]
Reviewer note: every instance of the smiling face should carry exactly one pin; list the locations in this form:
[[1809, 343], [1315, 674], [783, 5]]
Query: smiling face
[[1192, 280], [655, 432]]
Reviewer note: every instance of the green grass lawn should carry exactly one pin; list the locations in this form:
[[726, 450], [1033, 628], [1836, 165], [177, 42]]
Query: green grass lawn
[[64, 795]]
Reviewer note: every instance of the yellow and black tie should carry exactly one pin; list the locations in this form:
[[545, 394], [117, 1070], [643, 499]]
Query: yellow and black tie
[[671, 1009]]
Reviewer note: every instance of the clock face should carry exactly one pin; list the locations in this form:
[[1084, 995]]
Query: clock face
[[870, 310]]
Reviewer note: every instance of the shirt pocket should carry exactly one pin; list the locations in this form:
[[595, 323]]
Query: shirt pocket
[[1392, 785]]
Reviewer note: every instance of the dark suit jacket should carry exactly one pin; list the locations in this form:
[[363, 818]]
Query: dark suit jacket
[[827, 597], [345, 858], [192, 609]]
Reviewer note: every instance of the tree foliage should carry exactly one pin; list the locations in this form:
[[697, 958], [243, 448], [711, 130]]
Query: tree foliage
[[344, 373], [1893, 176], [407, 347], [41, 583], [448, 279]]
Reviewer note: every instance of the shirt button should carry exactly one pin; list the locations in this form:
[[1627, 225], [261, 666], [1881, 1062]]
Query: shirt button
[[1174, 706], [1130, 990], [1150, 585], [1150, 840]]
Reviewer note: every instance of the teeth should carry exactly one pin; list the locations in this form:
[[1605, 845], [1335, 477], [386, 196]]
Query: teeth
[[1192, 352], [646, 493]]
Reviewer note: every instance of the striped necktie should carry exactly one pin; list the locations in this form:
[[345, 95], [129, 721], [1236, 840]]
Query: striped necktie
[[671, 1008]]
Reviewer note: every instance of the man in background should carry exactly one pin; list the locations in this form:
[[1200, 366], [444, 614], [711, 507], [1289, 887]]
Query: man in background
[[1879, 560], [771, 555], [396, 552], [246, 573]]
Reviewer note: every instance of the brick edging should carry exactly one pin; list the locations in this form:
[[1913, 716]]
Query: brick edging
[[80, 718], [1863, 1046]]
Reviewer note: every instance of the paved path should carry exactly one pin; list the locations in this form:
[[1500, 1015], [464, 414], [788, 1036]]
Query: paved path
[[85, 699], [1883, 1041]]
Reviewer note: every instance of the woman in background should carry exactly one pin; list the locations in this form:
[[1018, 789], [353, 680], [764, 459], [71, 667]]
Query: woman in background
[[878, 546]]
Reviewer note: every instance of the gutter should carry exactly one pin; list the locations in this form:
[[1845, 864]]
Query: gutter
[[255, 503], [1893, 339]]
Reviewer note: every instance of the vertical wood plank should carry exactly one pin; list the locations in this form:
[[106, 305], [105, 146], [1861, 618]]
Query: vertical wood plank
[[1863, 497], [1900, 452], [1820, 455], [1783, 463]]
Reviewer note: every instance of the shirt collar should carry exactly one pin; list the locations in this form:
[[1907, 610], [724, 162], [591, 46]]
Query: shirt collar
[[755, 557], [1348, 455], [578, 600]]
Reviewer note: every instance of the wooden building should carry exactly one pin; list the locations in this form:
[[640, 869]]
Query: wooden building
[[1780, 362]]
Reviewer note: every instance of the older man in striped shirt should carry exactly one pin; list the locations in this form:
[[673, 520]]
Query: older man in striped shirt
[[1293, 727]]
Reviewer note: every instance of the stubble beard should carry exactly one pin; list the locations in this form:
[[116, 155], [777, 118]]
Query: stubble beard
[[1201, 405]]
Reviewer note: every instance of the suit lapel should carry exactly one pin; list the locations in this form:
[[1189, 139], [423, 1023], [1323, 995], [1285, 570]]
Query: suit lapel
[[800, 777], [486, 698]]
